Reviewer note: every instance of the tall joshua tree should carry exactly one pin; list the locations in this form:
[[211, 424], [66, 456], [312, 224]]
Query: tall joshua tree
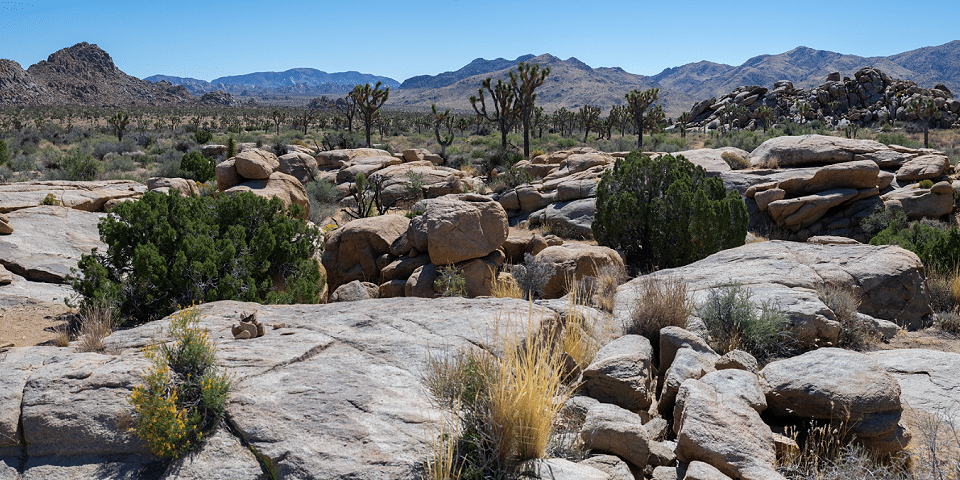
[[369, 100], [119, 120], [926, 110], [505, 112], [442, 121], [588, 115], [524, 81], [637, 104]]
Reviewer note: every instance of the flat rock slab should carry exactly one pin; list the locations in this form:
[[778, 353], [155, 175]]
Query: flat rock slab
[[48, 241], [811, 150], [336, 392], [929, 379], [889, 279], [87, 196], [21, 292]]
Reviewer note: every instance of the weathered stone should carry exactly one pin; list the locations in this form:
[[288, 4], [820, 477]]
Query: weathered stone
[[810, 150], [421, 282], [888, 279], [687, 364], [5, 227], [256, 164], [922, 168], [221, 456], [929, 380], [339, 158], [919, 202], [401, 268], [710, 158], [572, 219], [393, 288], [672, 339], [184, 186], [560, 469], [858, 175], [800, 212], [49, 241], [298, 165], [836, 384], [351, 251], [87, 196], [723, 431], [611, 429], [612, 465], [738, 359], [479, 274], [6, 277], [621, 373], [355, 291], [741, 384], [463, 227], [227, 175], [573, 261], [703, 471], [288, 189]]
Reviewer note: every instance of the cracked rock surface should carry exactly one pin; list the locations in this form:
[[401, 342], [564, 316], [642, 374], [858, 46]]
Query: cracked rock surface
[[335, 392]]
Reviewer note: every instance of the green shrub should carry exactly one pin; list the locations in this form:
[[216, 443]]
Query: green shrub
[[897, 138], [77, 165], [4, 153], [928, 184], [202, 136], [168, 250], [938, 248], [232, 146], [51, 199], [198, 167], [666, 212], [323, 199], [882, 218], [450, 282], [735, 323], [183, 395], [512, 178]]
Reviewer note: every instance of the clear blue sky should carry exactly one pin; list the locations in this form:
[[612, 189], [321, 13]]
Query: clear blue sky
[[400, 39]]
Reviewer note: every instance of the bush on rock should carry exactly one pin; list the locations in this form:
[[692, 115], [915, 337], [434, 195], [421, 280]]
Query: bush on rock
[[666, 212], [168, 250]]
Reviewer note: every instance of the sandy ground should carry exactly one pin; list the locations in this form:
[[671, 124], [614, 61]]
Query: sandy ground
[[29, 325]]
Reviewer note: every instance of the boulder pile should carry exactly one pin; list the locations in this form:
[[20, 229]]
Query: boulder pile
[[870, 97], [259, 171]]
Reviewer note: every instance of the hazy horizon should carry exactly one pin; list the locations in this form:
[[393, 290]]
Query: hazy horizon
[[401, 40]]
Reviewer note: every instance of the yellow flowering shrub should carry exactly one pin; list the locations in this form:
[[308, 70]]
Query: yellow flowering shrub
[[183, 394]]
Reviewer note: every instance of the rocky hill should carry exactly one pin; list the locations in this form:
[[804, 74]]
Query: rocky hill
[[293, 81], [571, 84], [82, 75]]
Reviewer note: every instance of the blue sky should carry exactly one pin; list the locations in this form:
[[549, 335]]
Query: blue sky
[[400, 39]]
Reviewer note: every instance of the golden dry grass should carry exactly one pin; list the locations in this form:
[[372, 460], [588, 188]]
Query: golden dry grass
[[96, 323], [661, 302]]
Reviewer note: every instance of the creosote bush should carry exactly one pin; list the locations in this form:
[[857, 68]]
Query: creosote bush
[[183, 395], [450, 282], [167, 250], [733, 322], [666, 212]]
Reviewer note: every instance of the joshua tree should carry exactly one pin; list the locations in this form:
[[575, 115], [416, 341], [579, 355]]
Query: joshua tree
[[926, 110], [119, 120], [588, 115], [279, 116], [682, 121], [803, 108], [505, 108], [348, 107], [766, 115], [445, 121], [637, 104], [524, 81], [369, 100]]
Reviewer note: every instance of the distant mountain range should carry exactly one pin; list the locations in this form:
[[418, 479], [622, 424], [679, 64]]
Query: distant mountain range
[[85, 74], [293, 81]]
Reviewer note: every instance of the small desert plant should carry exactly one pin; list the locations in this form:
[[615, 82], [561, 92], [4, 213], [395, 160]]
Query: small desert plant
[[198, 167], [62, 332], [735, 161], [943, 289], [579, 338], [504, 286], [948, 322], [77, 165], [532, 276], [733, 322], [450, 282], [881, 218], [232, 147], [202, 136], [51, 199], [661, 302], [183, 395], [928, 184], [96, 323], [609, 278], [843, 302]]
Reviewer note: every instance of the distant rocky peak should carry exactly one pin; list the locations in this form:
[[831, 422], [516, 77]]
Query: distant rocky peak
[[82, 58]]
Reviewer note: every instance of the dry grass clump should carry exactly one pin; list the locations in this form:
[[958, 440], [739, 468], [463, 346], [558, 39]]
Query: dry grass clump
[[63, 335], [843, 302], [949, 322], [943, 290], [505, 406], [735, 161], [580, 340], [96, 323], [504, 286], [609, 277], [661, 302]]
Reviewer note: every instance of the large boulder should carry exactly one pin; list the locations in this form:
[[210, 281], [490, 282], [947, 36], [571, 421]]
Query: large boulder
[[288, 189], [811, 150], [185, 186], [711, 158], [724, 431], [462, 227], [256, 164], [917, 202], [573, 261], [621, 373], [888, 279], [48, 242], [352, 250], [686, 364], [573, 218], [840, 385], [339, 158], [929, 379], [226, 173], [298, 165], [923, 167], [611, 429]]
